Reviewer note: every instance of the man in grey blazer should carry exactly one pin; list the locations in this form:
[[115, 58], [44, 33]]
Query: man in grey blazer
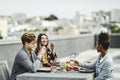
[[26, 60]]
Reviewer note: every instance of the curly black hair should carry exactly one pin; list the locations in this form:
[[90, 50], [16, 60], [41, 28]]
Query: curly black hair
[[103, 39]]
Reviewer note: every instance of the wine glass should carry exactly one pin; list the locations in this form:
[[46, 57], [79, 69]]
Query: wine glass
[[72, 58]]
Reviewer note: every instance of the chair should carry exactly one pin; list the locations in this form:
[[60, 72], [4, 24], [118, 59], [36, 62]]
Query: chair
[[4, 72]]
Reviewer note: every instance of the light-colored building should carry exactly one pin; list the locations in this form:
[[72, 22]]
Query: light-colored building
[[19, 18], [48, 24], [79, 19], [20, 28], [3, 28], [68, 31], [115, 15], [101, 17]]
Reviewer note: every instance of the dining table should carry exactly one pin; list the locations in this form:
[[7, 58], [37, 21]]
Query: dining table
[[56, 75]]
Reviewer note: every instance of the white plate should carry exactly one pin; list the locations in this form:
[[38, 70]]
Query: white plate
[[44, 69], [86, 70]]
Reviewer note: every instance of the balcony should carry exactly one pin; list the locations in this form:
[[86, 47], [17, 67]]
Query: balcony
[[82, 45]]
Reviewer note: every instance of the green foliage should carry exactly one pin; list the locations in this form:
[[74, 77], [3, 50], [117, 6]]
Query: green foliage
[[51, 18], [57, 28], [45, 29], [28, 20], [115, 29], [0, 36]]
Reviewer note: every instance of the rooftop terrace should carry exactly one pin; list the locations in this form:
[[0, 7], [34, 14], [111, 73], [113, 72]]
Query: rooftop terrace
[[82, 45]]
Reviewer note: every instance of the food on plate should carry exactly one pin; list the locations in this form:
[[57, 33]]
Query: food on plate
[[68, 66], [76, 67]]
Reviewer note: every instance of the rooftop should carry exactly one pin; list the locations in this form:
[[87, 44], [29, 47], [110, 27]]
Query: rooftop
[[82, 45]]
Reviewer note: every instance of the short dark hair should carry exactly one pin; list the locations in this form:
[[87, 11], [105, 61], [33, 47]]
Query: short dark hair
[[103, 39], [27, 37]]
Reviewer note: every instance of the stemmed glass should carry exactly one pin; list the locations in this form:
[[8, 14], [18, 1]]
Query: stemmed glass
[[72, 58]]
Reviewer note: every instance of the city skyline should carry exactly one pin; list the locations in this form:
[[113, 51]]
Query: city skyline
[[60, 8]]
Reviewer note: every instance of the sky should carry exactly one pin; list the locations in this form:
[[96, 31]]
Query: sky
[[60, 8]]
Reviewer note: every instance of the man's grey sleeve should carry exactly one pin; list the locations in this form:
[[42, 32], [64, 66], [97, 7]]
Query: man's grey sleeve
[[24, 60]]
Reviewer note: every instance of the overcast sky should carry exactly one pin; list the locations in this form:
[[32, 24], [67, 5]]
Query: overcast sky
[[61, 8]]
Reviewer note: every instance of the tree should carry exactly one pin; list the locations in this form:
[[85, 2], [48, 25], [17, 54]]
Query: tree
[[115, 29], [0, 36], [45, 29], [51, 18], [57, 28]]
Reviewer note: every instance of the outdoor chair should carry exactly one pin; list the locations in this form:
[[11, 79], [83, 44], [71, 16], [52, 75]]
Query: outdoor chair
[[4, 71]]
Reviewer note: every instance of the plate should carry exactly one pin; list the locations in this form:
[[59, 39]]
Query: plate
[[44, 69], [86, 70]]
